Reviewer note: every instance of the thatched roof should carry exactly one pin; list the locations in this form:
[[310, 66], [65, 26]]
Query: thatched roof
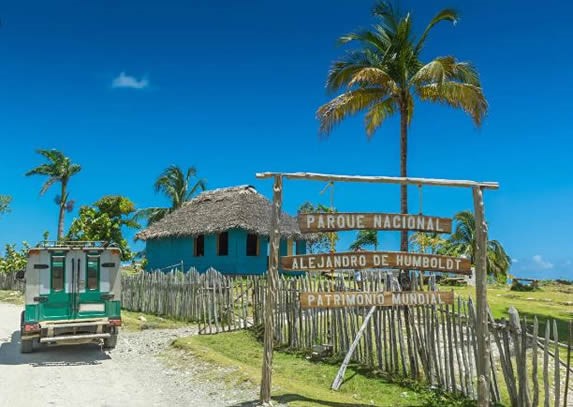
[[216, 211]]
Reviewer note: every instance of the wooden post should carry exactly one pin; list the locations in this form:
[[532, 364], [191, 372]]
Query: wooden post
[[482, 330], [272, 282]]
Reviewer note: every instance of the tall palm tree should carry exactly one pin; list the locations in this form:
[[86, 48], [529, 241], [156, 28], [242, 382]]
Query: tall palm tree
[[175, 184], [463, 242], [59, 168], [365, 238], [386, 75]]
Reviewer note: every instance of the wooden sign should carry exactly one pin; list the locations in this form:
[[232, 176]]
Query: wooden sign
[[370, 299], [365, 260], [329, 222]]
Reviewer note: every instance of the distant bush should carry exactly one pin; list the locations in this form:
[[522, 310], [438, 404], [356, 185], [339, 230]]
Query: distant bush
[[516, 285]]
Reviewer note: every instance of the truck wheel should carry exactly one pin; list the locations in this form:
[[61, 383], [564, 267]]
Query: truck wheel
[[26, 346], [109, 343]]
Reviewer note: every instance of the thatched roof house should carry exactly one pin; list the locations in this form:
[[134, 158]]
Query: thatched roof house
[[219, 210], [227, 229]]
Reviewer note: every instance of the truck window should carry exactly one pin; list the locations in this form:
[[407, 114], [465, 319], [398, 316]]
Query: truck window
[[92, 272], [58, 268]]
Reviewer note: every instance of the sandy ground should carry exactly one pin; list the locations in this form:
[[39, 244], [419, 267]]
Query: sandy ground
[[133, 374]]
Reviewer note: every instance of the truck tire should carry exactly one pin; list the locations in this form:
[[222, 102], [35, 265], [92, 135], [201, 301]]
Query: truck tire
[[109, 343], [26, 346]]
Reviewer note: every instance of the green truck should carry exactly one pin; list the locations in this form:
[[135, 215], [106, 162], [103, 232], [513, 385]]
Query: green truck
[[72, 294]]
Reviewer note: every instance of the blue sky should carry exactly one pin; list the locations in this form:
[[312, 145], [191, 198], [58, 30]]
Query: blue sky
[[232, 87]]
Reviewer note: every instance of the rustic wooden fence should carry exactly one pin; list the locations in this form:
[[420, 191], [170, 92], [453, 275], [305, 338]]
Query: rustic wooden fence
[[216, 302], [8, 282], [434, 344]]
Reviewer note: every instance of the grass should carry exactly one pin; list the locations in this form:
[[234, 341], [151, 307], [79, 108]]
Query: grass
[[138, 321], [300, 382], [11, 297], [551, 301]]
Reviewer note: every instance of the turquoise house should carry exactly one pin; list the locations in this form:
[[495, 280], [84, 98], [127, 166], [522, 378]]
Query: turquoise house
[[227, 229]]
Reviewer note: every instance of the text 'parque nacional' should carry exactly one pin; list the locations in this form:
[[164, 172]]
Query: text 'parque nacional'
[[370, 299], [365, 260], [328, 222]]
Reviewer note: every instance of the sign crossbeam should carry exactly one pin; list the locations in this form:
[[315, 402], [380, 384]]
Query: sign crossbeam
[[379, 179]]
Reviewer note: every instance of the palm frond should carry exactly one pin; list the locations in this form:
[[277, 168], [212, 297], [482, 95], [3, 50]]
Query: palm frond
[[389, 16], [51, 181], [372, 76], [447, 14], [467, 97], [446, 68], [346, 105], [377, 114], [342, 72], [376, 39]]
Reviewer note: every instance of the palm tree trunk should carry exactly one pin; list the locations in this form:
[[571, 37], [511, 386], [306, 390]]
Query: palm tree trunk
[[61, 213], [403, 170]]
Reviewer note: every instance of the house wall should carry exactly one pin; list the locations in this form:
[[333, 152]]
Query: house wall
[[170, 251]]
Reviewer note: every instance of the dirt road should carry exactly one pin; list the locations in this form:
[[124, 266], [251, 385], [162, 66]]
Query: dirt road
[[133, 374]]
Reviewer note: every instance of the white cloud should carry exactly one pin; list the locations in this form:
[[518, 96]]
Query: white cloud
[[130, 82], [514, 261], [542, 264]]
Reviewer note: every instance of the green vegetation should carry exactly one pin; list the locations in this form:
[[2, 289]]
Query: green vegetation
[[5, 203], [138, 321], [365, 238], [11, 297], [386, 75], [104, 221], [462, 243], [175, 185], [301, 382], [13, 258], [551, 301], [59, 168], [324, 242]]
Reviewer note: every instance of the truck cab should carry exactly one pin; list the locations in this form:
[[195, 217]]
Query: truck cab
[[72, 294]]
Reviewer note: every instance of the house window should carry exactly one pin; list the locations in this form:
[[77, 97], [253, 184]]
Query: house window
[[58, 268], [92, 272], [290, 247], [223, 244], [199, 248], [252, 245]]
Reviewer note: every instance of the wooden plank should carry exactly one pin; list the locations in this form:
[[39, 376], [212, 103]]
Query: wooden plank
[[341, 299], [378, 259], [272, 282], [482, 331], [340, 375], [331, 222], [379, 179], [556, 381]]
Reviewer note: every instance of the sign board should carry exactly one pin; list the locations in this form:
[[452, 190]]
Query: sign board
[[329, 222], [370, 299], [365, 260]]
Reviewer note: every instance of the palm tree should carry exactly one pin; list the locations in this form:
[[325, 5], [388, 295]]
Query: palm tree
[[425, 241], [365, 238], [59, 168], [176, 185], [386, 74], [463, 242]]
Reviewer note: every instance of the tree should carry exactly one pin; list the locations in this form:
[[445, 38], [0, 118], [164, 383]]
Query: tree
[[59, 168], [463, 242], [365, 238], [5, 203], [322, 242], [14, 259], [386, 74], [103, 221], [424, 242], [176, 185]]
